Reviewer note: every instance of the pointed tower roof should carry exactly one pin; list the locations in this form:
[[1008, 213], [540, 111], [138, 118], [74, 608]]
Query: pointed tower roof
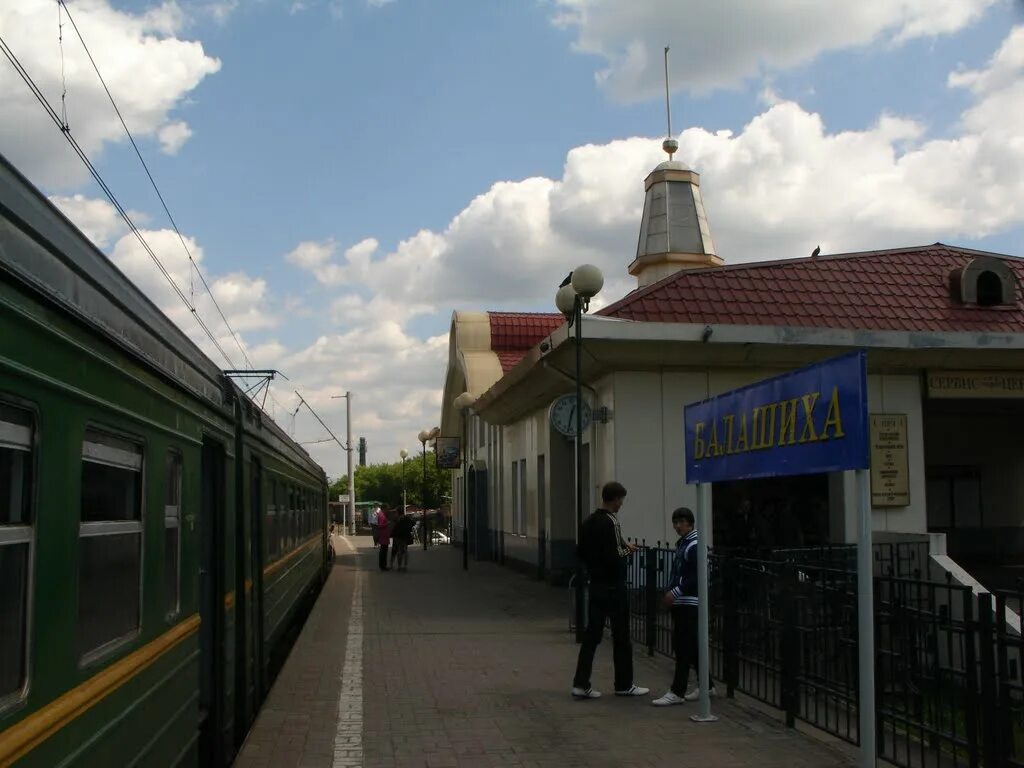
[[674, 232]]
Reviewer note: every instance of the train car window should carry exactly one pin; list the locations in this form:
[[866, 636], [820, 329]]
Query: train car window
[[172, 534], [110, 542], [16, 432], [270, 529], [282, 518], [291, 517]]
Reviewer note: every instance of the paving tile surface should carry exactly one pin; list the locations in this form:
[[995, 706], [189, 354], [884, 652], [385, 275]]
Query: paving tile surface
[[474, 669]]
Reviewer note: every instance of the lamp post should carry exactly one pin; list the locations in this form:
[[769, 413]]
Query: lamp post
[[573, 300], [405, 455], [424, 436], [348, 450], [462, 404]]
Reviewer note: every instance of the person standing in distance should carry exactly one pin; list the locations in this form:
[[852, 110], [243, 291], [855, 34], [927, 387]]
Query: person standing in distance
[[604, 552], [383, 538], [681, 599]]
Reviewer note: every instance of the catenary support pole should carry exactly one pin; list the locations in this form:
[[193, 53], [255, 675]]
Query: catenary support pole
[[465, 490], [351, 477], [423, 512], [703, 664], [865, 622]]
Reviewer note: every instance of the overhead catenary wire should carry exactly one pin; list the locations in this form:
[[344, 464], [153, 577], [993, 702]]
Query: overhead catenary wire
[[152, 181], [63, 78], [302, 401], [66, 132]]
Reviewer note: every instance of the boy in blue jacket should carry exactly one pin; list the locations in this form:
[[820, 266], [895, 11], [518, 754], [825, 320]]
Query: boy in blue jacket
[[681, 599]]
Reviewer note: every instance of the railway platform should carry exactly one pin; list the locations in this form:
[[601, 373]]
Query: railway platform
[[440, 668]]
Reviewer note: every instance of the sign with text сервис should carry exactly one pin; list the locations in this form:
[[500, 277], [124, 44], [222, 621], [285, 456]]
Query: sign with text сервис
[[810, 420]]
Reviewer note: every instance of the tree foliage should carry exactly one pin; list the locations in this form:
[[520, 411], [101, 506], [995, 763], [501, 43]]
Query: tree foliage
[[383, 483]]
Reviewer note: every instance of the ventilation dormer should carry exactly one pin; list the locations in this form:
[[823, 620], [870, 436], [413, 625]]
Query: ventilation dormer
[[984, 282]]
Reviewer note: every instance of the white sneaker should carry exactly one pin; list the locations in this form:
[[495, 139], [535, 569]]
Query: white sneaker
[[585, 693], [634, 690], [668, 700], [695, 694]]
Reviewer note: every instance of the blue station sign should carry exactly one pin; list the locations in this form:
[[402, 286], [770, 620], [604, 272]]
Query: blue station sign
[[814, 419]]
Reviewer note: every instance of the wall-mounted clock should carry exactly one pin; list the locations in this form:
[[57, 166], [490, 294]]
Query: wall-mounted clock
[[563, 415]]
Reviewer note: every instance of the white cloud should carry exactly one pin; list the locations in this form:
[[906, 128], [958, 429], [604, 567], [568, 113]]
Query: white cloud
[[310, 255], [98, 219], [148, 68], [245, 301], [394, 378], [221, 10], [721, 43], [173, 136]]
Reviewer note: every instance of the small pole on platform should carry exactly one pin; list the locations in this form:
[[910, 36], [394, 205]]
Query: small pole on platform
[[865, 622], [703, 659]]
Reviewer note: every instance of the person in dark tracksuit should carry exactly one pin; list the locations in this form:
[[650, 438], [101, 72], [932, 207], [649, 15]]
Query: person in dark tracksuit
[[604, 552], [681, 599]]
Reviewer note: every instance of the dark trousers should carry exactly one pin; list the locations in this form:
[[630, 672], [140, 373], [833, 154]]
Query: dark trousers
[[684, 646], [606, 603], [382, 557]]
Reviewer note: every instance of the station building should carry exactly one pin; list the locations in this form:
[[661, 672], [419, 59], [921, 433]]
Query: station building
[[943, 328]]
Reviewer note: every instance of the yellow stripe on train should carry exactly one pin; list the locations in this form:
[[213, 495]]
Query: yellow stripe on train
[[24, 736]]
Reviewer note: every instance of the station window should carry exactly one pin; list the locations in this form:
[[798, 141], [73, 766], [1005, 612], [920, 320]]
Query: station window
[[172, 534], [110, 541], [16, 432]]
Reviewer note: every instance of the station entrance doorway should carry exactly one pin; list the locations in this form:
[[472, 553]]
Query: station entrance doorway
[[758, 515], [974, 471]]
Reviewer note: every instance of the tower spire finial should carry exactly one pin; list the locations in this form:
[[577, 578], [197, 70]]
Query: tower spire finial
[[670, 145]]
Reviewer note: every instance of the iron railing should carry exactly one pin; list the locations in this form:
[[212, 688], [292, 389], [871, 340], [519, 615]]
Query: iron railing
[[948, 663]]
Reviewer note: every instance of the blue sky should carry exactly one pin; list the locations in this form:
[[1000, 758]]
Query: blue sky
[[448, 140]]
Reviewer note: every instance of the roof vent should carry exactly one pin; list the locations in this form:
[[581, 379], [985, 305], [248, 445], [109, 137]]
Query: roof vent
[[984, 282]]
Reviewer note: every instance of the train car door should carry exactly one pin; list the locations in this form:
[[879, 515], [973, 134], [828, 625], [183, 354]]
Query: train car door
[[255, 603], [211, 605]]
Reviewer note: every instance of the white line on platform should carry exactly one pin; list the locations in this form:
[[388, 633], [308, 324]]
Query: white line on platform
[[348, 741], [349, 544]]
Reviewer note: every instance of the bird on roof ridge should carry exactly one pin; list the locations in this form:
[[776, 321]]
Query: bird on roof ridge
[[816, 251]]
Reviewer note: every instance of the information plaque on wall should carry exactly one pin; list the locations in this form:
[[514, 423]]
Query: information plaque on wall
[[890, 472]]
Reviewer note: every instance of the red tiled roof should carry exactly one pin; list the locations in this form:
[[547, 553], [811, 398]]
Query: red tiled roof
[[513, 333], [904, 289]]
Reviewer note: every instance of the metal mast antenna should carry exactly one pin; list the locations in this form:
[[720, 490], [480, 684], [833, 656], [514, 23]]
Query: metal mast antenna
[[670, 145]]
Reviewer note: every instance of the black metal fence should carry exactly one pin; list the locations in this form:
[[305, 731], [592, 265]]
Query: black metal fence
[[948, 663]]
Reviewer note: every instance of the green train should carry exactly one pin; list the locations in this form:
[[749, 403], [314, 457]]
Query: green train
[[160, 537]]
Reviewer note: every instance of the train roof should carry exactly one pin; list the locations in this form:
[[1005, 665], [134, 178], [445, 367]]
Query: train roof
[[40, 247]]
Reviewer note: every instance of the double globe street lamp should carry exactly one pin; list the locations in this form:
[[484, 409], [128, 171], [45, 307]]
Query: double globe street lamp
[[424, 436], [573, 300], [405, 455]]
